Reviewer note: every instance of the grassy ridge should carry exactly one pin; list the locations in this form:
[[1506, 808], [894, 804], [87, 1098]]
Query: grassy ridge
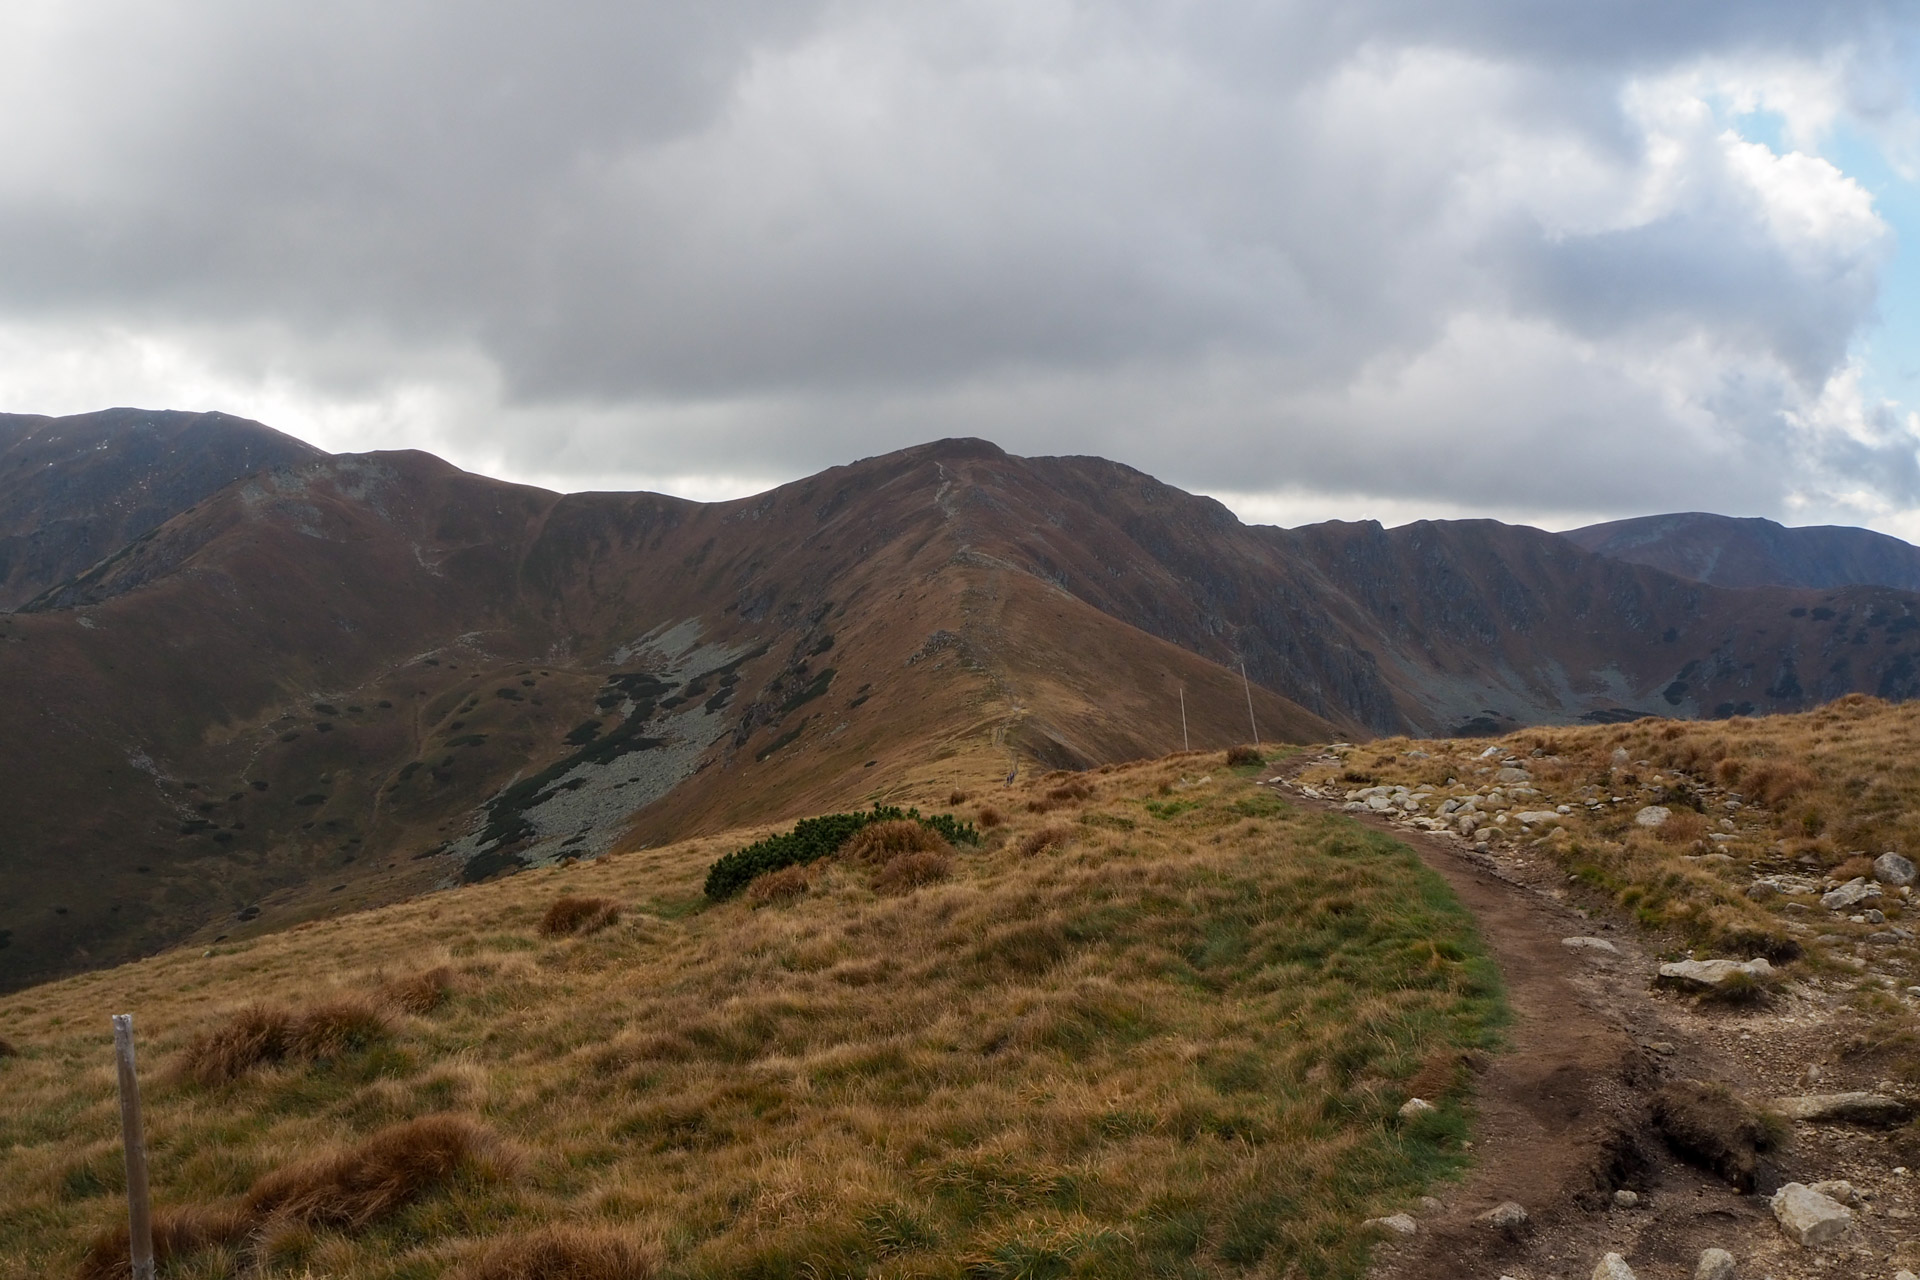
[[1174, 1047]]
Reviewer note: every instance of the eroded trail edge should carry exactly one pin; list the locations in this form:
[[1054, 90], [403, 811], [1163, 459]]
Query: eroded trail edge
[[1564, 1116]]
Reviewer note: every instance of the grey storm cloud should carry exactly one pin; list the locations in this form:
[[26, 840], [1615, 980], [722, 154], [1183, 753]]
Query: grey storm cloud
[[1370, 246]]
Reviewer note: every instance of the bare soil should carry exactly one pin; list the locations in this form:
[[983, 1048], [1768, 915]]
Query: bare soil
[[1564, 1117]]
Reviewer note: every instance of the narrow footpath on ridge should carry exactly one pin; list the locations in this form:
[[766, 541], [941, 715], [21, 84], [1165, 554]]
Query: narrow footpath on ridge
[[1564, 1112]]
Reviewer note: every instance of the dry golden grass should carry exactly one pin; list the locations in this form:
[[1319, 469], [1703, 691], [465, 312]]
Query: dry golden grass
[[177, 1233], [879, 843], [565, 1253], [418, 993], [375, 1178], [1176, 1046], [579, 915], [1805, 801], [1043, 839], [909, 871], [348, 1189], [987, 817], [260, 1034], [776, 887]]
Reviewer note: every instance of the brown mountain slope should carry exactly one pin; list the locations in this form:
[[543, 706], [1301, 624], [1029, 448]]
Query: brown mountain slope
[[1731, 552], [341, 682], [298, 695], [1438, 626], [75, 490]]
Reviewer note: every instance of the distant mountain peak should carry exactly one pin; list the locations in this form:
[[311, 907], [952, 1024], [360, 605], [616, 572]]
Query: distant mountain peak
[[75, 490], [1751, 551]]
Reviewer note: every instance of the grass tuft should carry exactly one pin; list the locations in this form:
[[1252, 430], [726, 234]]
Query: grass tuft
[[260, 1034], [1245, 755], [881, 842], [1712, 1126], [177, 1233], [564, 1253], [390, 1170], [909, 871], [347, 1191], [777, 887], [1043, 839], [574, 915], [419, 993]]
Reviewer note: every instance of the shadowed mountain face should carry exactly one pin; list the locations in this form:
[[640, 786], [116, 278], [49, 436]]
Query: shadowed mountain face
[[344, 680], [1729, 552], [75, 490]]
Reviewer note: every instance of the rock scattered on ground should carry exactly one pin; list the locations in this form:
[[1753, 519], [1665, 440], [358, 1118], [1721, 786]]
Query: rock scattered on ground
[[1846, 1108], [1399, 1224], [1590, 944], [1414, 1108], [1625, 1199], [1709, 975], [1851, 894], [1891, 868], [1506, 1216], [1715, 1264], [1653, 815], [1810, 1219], [1840, 1191], [1613, 1267]]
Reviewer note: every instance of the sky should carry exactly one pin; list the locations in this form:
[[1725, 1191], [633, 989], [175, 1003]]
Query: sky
[[1384, 259]]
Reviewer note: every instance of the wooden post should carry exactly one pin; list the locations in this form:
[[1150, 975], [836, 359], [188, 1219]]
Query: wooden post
[[1248, 686], [139, 1209], [1185, 744]]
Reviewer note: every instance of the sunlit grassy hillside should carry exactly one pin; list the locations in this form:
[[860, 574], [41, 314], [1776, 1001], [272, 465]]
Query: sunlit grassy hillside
[[1159, 1023]]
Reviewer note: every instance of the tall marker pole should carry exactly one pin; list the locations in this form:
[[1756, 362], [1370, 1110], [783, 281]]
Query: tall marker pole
[[1248, 686], [1185, 743], [139, 1209]]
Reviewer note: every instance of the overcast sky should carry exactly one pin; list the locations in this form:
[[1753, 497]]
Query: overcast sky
[[1551, 261]]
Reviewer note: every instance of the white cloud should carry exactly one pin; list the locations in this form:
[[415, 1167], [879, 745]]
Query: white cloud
[[1486, 257]]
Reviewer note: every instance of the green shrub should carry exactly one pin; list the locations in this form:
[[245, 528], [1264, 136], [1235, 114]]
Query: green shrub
[[815, 838]]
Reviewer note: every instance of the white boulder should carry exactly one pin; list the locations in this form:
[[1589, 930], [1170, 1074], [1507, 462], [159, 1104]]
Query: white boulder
[[1810, 1219], [1706, 975], [1613, 1267], [1891, 868], [1850, 894], [1715, 1264]]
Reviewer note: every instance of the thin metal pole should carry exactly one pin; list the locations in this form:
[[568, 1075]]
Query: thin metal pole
[[139, 1209], [1185, 743], [1248, 686]]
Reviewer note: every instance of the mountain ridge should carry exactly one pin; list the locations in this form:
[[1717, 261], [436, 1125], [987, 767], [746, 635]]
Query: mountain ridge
[[1731, 551], [348, 678]]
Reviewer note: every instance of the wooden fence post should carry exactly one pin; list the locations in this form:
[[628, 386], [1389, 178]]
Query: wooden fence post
[[139, 1209]]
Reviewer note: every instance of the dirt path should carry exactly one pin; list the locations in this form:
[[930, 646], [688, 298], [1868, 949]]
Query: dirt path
[[1564, 1114]]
